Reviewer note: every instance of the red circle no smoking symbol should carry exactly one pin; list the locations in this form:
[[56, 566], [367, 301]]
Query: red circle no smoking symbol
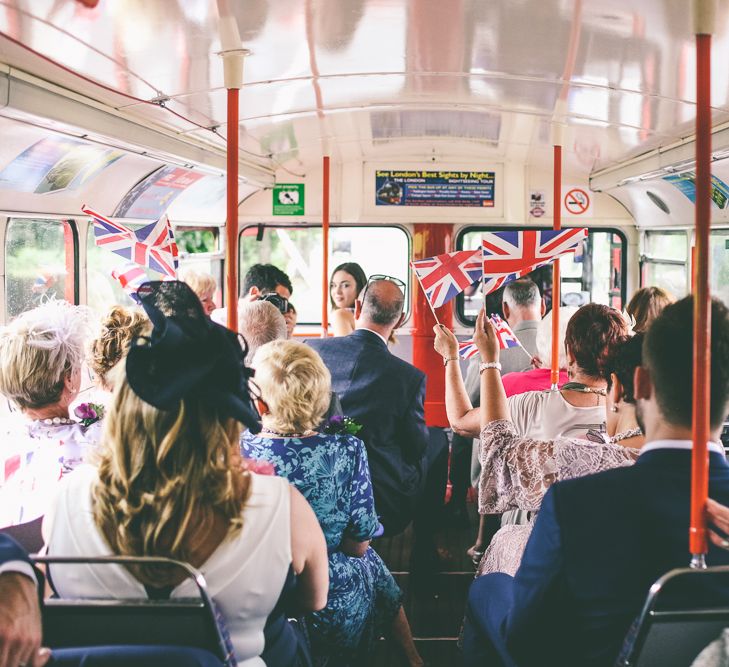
[[577, 201]]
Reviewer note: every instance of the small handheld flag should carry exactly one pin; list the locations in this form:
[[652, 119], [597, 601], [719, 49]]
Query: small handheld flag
[[507, 338], [444, 276], [131, 277], [467, 349], [152, 246]]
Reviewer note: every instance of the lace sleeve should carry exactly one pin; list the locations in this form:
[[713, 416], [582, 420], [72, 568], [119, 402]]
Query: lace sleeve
[[515, 471]]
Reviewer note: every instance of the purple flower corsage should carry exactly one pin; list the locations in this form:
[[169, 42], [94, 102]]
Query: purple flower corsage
[[342, 424], [89, 413]]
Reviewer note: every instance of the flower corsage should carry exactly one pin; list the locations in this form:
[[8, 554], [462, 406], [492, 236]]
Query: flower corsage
[[342, 424], [89, 413]]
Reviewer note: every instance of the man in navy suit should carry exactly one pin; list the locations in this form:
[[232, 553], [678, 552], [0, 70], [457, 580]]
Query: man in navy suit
[[385, 395], [599, 542]]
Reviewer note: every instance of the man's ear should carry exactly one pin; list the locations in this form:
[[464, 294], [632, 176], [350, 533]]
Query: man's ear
[[400, 322], [254, 291], [544, 307], [357, 309], [506, 310], [642, 383]]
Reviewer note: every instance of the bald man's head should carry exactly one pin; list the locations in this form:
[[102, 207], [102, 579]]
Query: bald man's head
[[383, 303]]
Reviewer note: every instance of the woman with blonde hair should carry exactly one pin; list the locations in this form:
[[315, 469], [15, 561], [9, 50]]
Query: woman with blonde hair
[[41, 354], [170, 482], [119, 329], [330, 468], [204, 285]]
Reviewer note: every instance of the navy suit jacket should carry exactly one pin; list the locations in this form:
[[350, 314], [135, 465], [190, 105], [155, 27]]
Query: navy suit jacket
[[598, 544], [385, 394], [11, 550]]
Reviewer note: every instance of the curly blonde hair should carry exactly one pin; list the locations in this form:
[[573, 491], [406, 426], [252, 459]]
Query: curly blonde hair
[[295, 385], [119, 328], [39, 350], [163, 478]]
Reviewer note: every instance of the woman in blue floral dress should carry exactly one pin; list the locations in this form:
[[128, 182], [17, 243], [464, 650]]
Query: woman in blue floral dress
[[331, 471]]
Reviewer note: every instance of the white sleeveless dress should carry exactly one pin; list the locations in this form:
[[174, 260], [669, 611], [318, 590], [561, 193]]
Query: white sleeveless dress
[[245, 574]]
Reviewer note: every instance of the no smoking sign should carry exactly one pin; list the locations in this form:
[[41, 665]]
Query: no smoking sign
[[577, 202]]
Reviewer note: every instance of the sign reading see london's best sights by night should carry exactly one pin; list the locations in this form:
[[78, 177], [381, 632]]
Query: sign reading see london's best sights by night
[[434, 188]]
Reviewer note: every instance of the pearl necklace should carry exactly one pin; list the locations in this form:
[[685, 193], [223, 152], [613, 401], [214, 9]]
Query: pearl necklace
[[287, 435], [55, 421], [630, 433]]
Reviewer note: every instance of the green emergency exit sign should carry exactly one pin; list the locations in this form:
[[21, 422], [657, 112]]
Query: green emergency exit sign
[[288, 199]]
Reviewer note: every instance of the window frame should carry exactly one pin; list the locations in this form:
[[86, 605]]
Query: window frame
[[72, 225], [311, 225], [644, 258], [459, 309]]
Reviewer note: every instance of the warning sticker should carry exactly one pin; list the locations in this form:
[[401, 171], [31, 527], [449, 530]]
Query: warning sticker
[[577, 202], [537, 203]]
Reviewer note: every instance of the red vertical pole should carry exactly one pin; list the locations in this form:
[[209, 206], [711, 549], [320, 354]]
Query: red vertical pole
[[325, 248], [69, 285], [430, 239], [231, 223], [556, 286], [702, 313]]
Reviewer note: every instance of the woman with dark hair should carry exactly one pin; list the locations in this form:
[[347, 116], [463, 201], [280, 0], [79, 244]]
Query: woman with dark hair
[[347, 282], [170, 482], [591, 333]]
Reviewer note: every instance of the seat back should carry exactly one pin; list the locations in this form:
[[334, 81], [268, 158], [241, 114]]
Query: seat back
[[99, 622], [679, 618], [28, 535]]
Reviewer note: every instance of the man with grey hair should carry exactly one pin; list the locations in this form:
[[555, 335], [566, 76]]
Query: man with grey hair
[[260, 322], [385, 395]]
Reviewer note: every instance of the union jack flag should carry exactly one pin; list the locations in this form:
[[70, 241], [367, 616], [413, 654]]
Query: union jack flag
[[503, 331], [517, 253], [131, 277], [152, 245], [467, 349], [444, 276]]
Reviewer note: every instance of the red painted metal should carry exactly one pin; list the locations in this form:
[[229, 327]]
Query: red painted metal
[[430, 239], [556, 286], [702, 313], [69, 289], [325, 248], [231, 224]]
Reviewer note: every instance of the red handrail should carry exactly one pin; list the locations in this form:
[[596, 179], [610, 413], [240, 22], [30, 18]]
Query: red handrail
[[231, 222], [556, 287], [325, 248], [702, 313]]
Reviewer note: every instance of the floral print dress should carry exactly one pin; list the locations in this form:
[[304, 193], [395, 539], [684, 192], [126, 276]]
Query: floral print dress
[[331, 472]]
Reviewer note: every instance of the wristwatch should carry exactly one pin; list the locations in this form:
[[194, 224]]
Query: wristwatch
[[489, 364], [447, 359]]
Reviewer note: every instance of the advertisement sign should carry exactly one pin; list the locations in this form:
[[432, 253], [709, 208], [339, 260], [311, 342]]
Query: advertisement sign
[[151, 197], [686, 183], [288, 199], [434, 188]]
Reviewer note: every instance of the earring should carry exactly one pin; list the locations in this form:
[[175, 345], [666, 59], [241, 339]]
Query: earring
[[614, 408]]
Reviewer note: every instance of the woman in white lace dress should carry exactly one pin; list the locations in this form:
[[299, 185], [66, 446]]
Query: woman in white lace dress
[[41, 353]]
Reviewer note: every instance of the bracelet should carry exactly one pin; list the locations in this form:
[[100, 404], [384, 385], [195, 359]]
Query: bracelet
[[447, 359], [490, 364]]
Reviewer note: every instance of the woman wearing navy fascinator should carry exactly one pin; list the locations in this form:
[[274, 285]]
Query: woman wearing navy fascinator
[[170, 482]]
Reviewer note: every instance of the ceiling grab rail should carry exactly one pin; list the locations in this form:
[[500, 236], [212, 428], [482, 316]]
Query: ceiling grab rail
[[233, 55], [703, 17]]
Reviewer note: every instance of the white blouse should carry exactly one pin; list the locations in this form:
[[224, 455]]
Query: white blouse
[[245, 574]]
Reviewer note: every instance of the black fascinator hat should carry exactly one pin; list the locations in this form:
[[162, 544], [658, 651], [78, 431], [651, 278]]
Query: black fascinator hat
[[188, 356]]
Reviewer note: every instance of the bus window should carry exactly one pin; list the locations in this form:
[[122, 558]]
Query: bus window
[[297, 251], [719, 254], [39, 263], [665, 261], [200, 251], [592, 274]]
